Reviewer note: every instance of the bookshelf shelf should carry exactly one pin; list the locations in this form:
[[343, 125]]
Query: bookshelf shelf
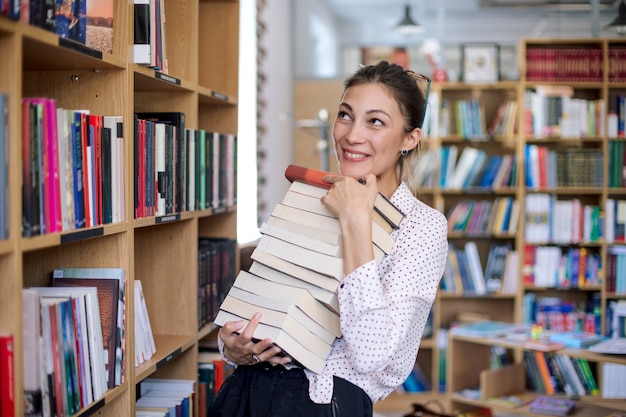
[[162, 251]]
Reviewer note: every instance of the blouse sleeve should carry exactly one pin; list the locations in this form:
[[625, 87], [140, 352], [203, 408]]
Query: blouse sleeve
[[381, 305]]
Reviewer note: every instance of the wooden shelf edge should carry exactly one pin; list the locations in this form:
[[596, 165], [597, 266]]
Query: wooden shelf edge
[[108, 397], [168, 348], [56, 239]]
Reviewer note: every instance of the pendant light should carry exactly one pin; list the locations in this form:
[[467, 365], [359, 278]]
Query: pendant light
[[619, 23], [407, 26]]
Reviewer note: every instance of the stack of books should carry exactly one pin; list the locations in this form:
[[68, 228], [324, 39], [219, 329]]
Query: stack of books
[[296, 269]]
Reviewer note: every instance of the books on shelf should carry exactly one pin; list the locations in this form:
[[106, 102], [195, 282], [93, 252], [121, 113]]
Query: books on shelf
[[181, 393], [576, 339], [217, 270], [73, 168], [149, 37], [74, 358], [145, 346], [111, 285], [485, 328], [553, 406], [613, 380]]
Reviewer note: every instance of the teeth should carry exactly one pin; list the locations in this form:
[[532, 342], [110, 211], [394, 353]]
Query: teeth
[[354, 155]]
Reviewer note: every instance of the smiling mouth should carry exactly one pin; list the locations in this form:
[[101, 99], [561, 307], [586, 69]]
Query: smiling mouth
[[354, 156]]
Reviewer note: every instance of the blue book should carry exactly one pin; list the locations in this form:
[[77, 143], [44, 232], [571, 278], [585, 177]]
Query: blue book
[[485, 328], [576, 339]]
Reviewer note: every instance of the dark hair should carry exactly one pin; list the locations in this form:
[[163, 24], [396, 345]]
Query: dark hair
[[402, 85]]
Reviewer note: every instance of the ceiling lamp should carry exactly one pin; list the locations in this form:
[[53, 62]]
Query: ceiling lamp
[[619, 24], [407, 25]]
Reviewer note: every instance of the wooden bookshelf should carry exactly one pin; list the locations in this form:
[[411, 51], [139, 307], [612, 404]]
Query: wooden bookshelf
[[594, 84], [202, 42], [599, 80]]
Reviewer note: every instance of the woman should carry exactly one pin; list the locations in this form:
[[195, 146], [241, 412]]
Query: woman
[[383, 308]]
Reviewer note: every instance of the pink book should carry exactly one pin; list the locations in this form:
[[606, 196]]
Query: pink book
[[53, 177]]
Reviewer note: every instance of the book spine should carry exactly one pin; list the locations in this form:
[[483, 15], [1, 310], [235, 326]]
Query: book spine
[[7, 376]]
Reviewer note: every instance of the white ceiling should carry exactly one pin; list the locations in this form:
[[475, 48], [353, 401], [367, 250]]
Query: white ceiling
[[456, 21]]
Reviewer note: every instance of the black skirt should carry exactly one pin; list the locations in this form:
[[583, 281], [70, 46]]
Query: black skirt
[[263, 390]]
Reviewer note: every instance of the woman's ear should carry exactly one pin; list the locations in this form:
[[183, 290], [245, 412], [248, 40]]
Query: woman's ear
[[412, 139]]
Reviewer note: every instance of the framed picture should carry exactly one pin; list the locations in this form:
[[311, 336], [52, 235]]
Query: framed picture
[[480, 62]]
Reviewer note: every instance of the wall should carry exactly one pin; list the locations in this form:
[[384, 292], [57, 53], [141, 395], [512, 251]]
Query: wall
[[276, 143]]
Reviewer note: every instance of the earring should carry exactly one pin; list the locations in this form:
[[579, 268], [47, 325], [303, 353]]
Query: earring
[[404, 152]]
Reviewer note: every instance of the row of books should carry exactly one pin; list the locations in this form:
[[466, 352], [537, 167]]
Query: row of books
[[4, 166], [149, 37], [551, 373], [505, 123], [74, 339], [145, 346], [498, 217], [73, 168], [616, 320], [553, 111], [417, 381], [617, 164], [572, 167], [464, 273], [212, 372], [550, 220], [560, 314], [567, 65], [296, 268], [179, 168], [615, 269], [616, 120], [86, 22], [556, 267], [474, 168], [469, 118], [160, 397], [217, 263]]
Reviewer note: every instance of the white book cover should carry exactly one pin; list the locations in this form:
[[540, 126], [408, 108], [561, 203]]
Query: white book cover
[[282, 315], [326, 295], [475, 268], [316, 261], [297, 296], [290, 234], [141, 46], [466, 161]]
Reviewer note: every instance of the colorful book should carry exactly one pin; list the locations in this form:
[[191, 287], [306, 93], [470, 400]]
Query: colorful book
[[553, 406], [576, 339]]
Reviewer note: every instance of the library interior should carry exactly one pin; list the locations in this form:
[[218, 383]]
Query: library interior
[[160, 177]]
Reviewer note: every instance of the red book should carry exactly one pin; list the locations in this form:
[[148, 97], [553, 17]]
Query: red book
[[529, 265], [7, 376], [314, 177]]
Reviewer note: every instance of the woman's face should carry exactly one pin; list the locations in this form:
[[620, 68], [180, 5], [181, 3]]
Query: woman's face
[[369, 134]]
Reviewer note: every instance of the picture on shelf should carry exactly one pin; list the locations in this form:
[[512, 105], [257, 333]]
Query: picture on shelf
[[480, 63]]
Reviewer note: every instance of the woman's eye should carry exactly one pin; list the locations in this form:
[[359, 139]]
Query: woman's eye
[[343, 115], [376, 122]]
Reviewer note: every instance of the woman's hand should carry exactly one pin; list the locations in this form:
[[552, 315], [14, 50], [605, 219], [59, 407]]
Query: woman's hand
[[350, 199], [240, 349], [352, 202]]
